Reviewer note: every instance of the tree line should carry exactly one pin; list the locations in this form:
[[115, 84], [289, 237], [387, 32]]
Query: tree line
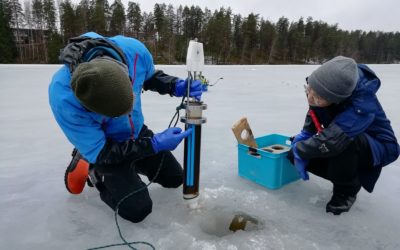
[[36, 32]]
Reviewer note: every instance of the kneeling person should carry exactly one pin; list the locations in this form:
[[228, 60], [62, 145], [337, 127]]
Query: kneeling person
[[96, 100], [357, 139]]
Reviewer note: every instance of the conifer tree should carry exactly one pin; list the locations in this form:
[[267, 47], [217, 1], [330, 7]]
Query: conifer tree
[[267, 40], [49, 15], [135, 18], [99, 10], [83, 16], [118, 19], [281, 48], [69, 25], [16, 22], [8, 51], [228, 37], [249, 28]]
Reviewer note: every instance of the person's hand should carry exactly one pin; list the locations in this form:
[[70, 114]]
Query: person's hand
[[304, 135], [300, 164], [169, 139], [195, 88]]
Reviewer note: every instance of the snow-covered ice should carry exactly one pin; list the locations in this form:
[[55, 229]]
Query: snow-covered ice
[[38, 213]]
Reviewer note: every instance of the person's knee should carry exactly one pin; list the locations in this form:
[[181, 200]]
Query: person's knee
[[172, 181], [134, 210]]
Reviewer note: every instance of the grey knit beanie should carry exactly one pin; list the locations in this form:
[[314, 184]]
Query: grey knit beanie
[[335, 80], [103, 86]]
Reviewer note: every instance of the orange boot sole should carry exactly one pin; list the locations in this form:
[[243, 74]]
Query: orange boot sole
[[76, 175]]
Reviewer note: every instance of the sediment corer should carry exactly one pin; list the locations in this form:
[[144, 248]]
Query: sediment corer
[[193, 119]]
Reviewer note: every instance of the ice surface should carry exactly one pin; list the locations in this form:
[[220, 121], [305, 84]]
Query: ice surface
[[38, 213]]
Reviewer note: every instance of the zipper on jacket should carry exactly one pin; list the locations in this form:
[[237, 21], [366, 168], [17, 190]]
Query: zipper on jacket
[[134, 69], [132, 127], [133, 82]]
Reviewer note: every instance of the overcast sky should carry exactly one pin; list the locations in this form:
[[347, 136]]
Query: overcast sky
[[366, 15]]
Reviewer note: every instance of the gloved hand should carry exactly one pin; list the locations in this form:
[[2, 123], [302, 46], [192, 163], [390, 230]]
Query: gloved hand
[[300, 164], [169, 139], [304, 135], [195, 88]]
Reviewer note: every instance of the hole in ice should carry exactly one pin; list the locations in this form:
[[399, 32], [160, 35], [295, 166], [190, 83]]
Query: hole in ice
[[220, 222]]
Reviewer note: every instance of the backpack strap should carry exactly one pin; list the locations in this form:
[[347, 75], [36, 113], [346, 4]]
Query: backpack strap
[[77, 50]]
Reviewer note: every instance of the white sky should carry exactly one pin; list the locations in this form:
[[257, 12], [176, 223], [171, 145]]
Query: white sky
[[349, 14]]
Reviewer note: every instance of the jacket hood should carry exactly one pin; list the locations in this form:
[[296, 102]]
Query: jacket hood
[[363, 97], [368, 81]]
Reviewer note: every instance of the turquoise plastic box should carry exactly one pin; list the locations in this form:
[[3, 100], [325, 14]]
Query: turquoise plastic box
[[269, 169]]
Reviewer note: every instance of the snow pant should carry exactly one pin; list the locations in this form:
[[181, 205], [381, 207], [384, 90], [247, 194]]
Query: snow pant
[[344, 170], [117, 181]]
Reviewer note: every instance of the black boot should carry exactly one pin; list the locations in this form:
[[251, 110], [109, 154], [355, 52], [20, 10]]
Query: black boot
[[340, 203]]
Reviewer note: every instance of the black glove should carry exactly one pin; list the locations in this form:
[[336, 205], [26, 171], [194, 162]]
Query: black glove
[[290, 156]]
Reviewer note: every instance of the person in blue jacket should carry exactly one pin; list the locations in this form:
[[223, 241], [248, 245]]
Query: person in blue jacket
[[350, 138], [96, 100]]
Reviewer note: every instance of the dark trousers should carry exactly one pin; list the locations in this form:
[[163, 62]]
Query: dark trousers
[[115, 182], [344, 170]]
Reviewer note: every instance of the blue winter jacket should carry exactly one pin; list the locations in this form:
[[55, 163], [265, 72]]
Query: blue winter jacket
[[89, 131], [360, 114]]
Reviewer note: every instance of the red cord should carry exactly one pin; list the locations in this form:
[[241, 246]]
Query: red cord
[[315, 120]]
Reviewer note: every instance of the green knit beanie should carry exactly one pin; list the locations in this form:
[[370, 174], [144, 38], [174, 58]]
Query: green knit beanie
[[103, 86]]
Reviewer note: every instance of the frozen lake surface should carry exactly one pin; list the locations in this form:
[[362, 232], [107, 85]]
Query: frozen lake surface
[[38, 213]]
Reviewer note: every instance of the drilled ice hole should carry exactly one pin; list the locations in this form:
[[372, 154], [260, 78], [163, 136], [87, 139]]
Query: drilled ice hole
[[222, 221]]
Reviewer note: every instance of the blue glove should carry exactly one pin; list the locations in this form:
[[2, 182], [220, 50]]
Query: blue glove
[[300, 164], [195, 88], [169, 139], [304, 135]]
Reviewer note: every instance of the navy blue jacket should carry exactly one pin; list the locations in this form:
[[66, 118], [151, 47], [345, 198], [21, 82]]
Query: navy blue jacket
[[360, 114]]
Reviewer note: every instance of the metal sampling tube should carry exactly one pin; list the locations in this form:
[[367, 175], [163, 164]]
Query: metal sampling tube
[[191, 162]]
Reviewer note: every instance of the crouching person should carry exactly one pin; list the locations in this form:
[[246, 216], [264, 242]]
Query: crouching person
[[346, 138], [96, 100]]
